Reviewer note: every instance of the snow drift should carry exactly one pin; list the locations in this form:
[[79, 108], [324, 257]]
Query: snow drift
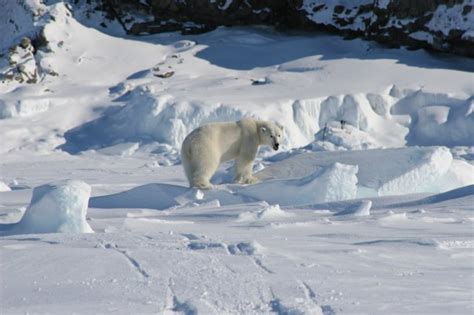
[[404, 170], [336, 182]]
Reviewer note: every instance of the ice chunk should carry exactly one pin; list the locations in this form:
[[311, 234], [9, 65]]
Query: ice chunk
[[336, 182], [57, 207]]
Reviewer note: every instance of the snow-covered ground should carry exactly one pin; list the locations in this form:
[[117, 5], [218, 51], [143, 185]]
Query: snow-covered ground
[[368, 208]]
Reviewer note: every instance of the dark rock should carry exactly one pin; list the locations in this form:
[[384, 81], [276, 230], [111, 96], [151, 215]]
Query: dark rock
[[198, 16], [466, 9], [339, 9]]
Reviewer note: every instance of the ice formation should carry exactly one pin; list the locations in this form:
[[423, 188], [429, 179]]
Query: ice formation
[[57, 207]]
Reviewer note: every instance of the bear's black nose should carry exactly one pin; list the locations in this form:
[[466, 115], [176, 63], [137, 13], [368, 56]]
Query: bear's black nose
[[275, 146]]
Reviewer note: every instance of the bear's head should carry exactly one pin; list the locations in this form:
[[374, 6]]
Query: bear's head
[[270, 134]]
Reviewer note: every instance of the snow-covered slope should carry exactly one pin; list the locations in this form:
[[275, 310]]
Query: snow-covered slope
[[107, 116]]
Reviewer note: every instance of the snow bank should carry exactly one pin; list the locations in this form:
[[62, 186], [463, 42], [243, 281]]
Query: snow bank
[[58, 207], [381, 172], [335, 182], [343, 122]]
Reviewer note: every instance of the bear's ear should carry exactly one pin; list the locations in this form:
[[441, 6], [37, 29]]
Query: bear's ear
[[263, 129], [280, 126]]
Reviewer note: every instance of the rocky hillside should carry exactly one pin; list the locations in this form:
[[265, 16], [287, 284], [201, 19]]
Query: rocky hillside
[[440, 25]]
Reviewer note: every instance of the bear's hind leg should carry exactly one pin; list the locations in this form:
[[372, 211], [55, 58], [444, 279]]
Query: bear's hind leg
[[203, 171]]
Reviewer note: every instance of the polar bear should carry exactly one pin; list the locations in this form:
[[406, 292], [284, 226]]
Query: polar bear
[[205, 148]]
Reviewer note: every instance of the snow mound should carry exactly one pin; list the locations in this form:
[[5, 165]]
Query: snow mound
[[403, 170], [57, 207], [332, 183], [269, 212]]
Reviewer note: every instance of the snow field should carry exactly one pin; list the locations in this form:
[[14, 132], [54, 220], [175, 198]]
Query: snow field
[[114, 117]]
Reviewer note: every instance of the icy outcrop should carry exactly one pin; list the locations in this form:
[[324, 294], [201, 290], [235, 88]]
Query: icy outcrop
[[58, 207], [332, 183]]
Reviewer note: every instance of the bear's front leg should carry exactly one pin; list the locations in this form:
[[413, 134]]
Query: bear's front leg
[[243, 172]]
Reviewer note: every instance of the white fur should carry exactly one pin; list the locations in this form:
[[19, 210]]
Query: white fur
[[205, 148]]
